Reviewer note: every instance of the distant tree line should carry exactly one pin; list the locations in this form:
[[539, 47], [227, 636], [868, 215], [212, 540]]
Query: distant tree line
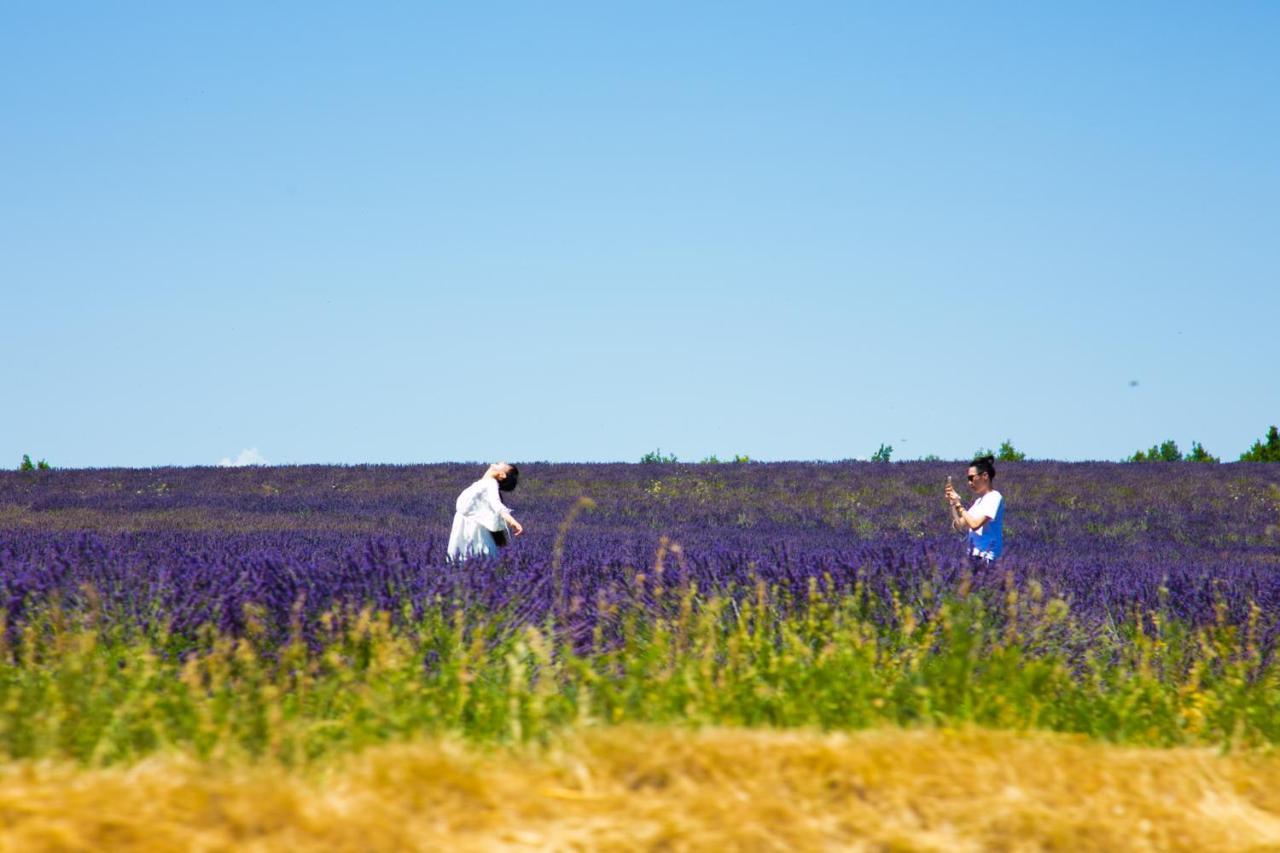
[[1263, 450], [1006, 453], [1167, 451]]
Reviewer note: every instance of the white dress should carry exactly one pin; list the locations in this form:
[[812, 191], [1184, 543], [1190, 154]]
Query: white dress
[[478, 512]]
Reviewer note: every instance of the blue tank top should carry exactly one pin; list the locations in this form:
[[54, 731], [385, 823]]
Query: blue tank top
[[988, 540]]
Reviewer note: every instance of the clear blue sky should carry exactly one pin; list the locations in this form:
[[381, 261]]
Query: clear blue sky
[[581, 232]]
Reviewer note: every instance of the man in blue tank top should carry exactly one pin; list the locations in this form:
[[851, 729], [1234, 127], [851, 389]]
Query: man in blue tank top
[[984, 521]]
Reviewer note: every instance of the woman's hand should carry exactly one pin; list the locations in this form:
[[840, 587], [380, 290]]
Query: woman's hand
[[517, 528], [953, 497]]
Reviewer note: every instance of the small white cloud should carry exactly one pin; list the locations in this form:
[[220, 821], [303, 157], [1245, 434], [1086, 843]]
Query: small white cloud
[[248, 456]]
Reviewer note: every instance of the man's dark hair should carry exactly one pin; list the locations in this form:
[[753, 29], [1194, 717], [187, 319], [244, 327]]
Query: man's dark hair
[[985, 465], [508, 483]]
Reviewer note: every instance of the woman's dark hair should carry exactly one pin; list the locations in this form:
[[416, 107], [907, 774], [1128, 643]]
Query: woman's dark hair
[[985, 465], [508, 483]]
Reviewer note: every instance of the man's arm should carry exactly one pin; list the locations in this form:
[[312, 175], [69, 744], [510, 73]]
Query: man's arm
[[957, 508], [967, 520], [972, 520]]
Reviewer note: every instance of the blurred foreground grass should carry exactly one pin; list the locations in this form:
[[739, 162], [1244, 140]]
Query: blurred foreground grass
[[639, 788], [71, 688]]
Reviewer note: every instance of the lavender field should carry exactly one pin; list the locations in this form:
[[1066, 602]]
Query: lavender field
[[292, 611], [194, 545]]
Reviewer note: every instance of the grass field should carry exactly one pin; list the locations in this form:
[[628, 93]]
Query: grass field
[[629, 788], [709, 657]]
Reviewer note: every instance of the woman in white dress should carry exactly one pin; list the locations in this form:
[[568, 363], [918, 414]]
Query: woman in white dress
[[479, 514]]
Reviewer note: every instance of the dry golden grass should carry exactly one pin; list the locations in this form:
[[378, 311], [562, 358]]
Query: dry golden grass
[[641, 789]]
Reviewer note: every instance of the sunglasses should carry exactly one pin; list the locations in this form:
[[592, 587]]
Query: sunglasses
[[972, 477]]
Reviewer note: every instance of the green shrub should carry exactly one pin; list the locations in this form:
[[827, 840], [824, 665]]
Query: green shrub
[[1269, 452], [1197, 453], [883, 454], [28, 465], [655, 457], [738, 459], [1166, 451], [1009, 453]]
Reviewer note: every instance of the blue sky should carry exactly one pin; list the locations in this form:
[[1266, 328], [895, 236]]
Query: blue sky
[[581, 232]]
